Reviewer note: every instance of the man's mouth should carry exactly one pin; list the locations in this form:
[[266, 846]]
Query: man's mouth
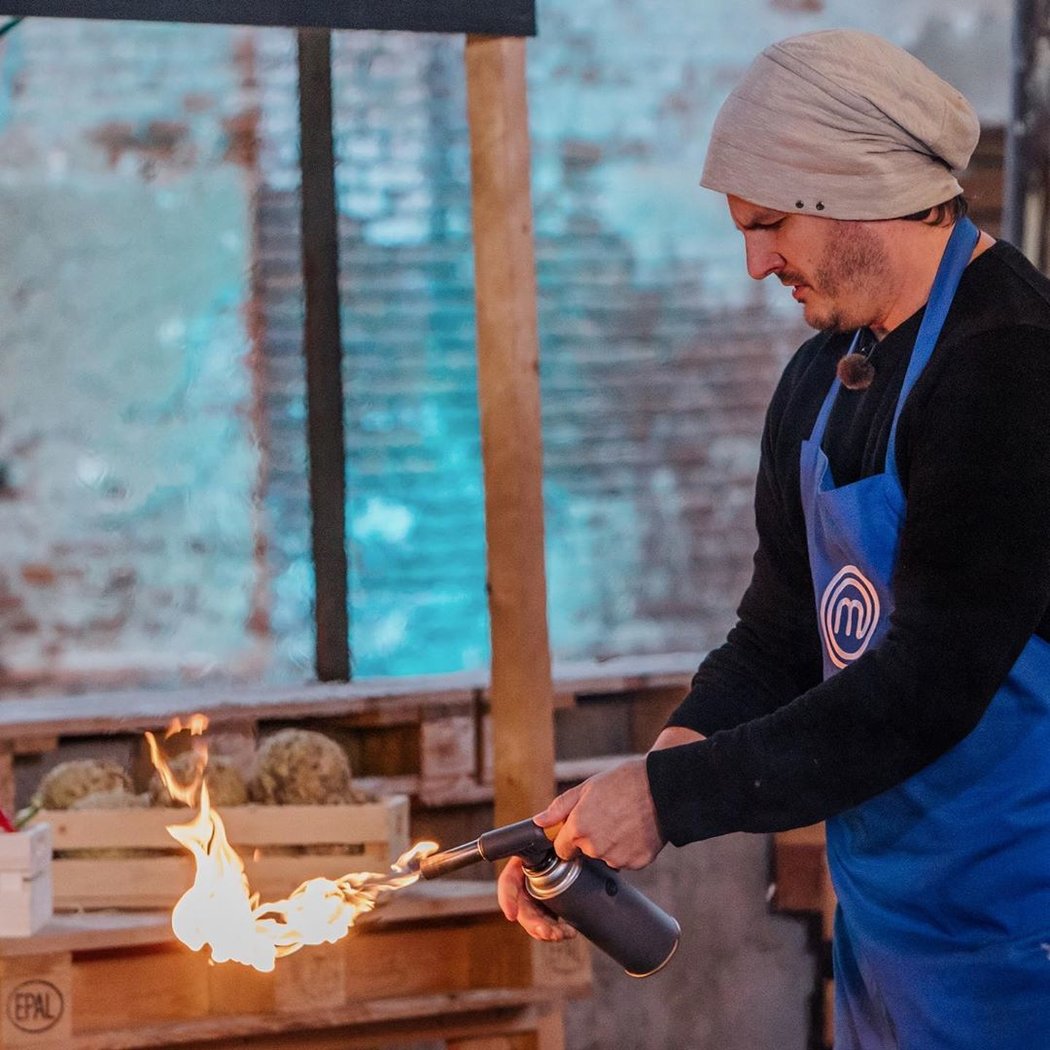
[[798, 286]]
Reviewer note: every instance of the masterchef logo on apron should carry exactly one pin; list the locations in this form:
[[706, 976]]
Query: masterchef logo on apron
[[849, 614]]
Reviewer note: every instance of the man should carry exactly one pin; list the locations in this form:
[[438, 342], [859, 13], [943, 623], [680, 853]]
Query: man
[[890, 668]]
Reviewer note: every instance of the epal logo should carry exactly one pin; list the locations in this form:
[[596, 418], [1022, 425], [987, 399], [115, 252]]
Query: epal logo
[[849, 613]]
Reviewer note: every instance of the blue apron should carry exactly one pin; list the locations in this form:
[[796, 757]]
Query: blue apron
[[942, 936]]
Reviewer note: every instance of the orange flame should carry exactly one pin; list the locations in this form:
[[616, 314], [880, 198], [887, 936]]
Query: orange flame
[[220, 911], [196, 726], [184, 793]]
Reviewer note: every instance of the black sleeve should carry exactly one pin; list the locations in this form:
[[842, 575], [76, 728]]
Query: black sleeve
[[971, 586], [770, 655]]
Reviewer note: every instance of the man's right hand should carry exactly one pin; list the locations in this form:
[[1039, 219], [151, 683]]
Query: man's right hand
[[514, 899]]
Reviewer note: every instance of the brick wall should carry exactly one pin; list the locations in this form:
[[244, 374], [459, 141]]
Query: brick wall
[[130, 456], [151, 413]]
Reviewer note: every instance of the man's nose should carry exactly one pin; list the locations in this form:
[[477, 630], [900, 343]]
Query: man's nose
[[762, 259]]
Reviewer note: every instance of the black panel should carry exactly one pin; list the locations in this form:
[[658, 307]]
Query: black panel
[[497, 17], [323, 346]]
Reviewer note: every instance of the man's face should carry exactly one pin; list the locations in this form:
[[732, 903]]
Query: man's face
[[837, 270]]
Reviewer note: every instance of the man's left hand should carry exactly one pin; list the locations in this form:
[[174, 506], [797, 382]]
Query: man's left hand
[[610, 816]]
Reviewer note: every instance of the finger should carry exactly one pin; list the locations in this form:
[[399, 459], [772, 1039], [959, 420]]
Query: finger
[[539, 923], [559, 809], [566, 843], [519, 907], [510, 887]]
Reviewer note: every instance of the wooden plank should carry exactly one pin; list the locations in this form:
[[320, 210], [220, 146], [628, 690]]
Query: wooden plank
[[384, 963], [508, 18], [158, 882], [235, 990], [516, 1041], [36, 997], [311, 980], [86, 932], [362, 1026], [548, 1034], [457, 899], [626, 673], [500, 958], [323, 346], [34, 745], [392, 699], [138, 986], [508, 391], [383, 821], [93, 714]]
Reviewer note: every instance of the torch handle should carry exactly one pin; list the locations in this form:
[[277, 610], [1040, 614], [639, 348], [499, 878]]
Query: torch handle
[[523, 839]]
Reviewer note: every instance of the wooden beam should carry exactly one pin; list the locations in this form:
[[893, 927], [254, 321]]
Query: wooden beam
[[508, 390], [322, 344]]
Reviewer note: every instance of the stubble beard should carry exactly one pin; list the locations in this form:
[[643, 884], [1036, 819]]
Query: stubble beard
[[848, 280]]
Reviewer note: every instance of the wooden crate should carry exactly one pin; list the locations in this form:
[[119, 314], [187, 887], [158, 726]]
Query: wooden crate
[[434, 962], [373, 835]]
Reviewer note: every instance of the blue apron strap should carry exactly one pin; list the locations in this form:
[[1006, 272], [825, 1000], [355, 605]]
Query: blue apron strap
[[954, 261], [817, 434]]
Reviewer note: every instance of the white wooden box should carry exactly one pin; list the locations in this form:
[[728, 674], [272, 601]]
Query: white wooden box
[[26, 900]]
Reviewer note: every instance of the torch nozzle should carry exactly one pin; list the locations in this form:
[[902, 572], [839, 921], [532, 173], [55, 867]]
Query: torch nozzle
[[450, 860]]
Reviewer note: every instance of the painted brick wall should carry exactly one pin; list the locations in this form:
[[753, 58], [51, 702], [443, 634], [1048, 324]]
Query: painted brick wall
[[151, 410], [130, 456]]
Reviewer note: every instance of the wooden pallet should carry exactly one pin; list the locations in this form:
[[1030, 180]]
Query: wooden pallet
[[437, 961], [429, 737], [372, 835]]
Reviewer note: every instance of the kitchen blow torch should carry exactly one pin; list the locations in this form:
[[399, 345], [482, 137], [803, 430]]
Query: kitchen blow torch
[[585, 892]]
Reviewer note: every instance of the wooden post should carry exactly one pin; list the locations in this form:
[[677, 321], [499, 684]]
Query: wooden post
[[1027, 176], [508, 390], [322, 345]]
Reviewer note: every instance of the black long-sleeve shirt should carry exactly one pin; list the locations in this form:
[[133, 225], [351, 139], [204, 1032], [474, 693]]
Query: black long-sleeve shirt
[[971, 584]]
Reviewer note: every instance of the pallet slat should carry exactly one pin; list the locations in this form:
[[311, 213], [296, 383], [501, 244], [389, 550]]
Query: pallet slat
[[256, 826]]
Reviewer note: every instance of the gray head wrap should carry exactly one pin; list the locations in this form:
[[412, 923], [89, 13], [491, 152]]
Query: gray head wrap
[[841, 124]]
